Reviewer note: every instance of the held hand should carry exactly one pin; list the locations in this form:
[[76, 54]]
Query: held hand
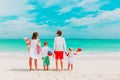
[[75, 53], [66, 53], [53, 55]]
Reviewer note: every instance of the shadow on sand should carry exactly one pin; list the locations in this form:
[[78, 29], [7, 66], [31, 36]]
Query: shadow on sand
[[25, 70]]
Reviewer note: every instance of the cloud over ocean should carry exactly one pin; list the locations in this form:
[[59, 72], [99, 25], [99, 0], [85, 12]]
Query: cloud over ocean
[[89, 19]]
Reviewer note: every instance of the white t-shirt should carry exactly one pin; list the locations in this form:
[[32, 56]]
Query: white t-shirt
[[44, 51], [59, 44]]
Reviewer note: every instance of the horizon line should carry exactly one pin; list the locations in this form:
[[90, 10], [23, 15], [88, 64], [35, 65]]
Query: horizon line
[[68, 38]]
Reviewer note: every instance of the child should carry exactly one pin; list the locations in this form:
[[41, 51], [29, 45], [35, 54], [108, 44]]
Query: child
[[70, 58], [45, 57], [28, 43]]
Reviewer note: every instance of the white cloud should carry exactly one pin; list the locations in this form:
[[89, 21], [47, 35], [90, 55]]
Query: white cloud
[[68, 5], [106, 31], [87, 5], [49, 3], [64, 10], [65, 5], [13, 7], [105, 25], [22, 27], [102, 18], [85, 2]]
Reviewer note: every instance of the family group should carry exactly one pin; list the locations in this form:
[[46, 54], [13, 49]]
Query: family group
[[34, 49]]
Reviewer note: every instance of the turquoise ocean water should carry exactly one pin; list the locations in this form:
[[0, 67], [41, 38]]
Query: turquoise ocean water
[[106, 45]]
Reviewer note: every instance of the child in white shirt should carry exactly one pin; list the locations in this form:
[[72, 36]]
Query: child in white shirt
[[45, 57]]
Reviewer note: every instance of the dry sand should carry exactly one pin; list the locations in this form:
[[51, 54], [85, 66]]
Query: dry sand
[[86, 67]]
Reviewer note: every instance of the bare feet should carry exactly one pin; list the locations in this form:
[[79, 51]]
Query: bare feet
[[30, 69], [61, 70], [56, 69]]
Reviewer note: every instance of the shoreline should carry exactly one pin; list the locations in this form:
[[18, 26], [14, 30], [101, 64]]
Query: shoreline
[[81, 53]]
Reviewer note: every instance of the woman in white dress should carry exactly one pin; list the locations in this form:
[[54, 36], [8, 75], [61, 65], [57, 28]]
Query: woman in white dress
[[33, 50]]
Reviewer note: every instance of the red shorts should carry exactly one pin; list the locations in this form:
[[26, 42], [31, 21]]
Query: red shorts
[[58, 54]]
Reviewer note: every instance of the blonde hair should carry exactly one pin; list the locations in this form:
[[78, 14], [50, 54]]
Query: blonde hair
[[70, 49]]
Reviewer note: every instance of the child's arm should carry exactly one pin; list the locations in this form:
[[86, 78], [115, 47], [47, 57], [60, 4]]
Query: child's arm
[[39, 43], [75, 53], [27, 40], [42, 53]]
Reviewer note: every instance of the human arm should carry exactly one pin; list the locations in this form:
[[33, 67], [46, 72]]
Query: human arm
[[27, 40], [54, 46], [42, 53], [67, 53], [39, 43], [75, 53], [64, 45]]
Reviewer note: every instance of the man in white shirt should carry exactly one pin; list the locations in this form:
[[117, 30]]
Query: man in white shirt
[[59, 48]]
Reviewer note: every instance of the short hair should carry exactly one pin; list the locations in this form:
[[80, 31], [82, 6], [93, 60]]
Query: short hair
[[45, 43], [59, 32]]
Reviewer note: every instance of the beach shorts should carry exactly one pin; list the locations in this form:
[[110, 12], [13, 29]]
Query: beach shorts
[[46, 60], [58, 54]]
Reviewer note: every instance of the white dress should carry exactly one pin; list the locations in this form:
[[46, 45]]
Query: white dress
[[70, 58], [33, 49]]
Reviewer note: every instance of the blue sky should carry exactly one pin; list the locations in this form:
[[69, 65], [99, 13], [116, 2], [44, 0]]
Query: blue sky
[[84, 19]]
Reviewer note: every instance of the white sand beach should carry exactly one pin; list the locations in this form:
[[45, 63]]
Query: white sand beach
[[87, 67]]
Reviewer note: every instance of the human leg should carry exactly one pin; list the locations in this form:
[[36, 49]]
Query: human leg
[[61, 64], [44, 67], [56, 64], [35, 63], [30, 63], [68, 66], [47, 67], [71, 66]]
